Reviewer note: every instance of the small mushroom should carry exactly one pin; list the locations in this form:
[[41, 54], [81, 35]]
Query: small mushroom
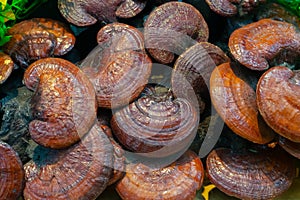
[[235, 101], [292, 148], [11, 173], [156, 123], [6, 66], [263, 174], [171, 28], [118, 67], [38, 38], [256, 44], [81, 171], [85, 13], [278, 100], [63, 105], [179, 180]]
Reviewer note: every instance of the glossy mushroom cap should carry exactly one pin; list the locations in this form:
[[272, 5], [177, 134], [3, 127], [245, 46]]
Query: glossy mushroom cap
[[173, 27], [79, 172], [278, 100], [130, 8], [264, 174], [118, 67], [11, 173], [63, 105], [6, 66], [156, 124], [179, 180], [38, 38], [256, 44], [235, 101]]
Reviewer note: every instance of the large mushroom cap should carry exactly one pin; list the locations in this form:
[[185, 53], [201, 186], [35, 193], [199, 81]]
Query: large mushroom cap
[[11, 173], [6, 66]]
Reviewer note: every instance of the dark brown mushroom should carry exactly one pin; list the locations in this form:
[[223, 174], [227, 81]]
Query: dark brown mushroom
[[85, 13], [256, 44], [81, 171], [292, 148], [235, 101], [156, 123], [179, 180], [173, 27], [278, 100], [263, 174], [11, 173], [6, 66], [118, 67], [63, 105], [38, 38]]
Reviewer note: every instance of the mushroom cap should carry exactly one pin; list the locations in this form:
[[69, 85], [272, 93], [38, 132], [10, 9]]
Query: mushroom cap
[[81, 171], [38, 38], [292, 148], [171, 28], [63, 105], [11, 173], [255, 44], [179, 180], [278, 100], [235, 101], [6, 66], [264, 174], [130, 8]]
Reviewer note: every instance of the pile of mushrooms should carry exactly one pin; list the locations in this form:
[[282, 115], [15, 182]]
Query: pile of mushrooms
[[102, 121]]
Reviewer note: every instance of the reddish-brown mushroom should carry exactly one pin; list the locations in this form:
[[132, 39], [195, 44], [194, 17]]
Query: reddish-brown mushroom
[[85, 13], [38, 38], [64, 103], [118, 67], [263, 174], [278, 100], [292, 148], [256, 44], [179, 180], [173, 27], [235, 101], [11, 173], [156, 123], [81, 171], [6, 66]]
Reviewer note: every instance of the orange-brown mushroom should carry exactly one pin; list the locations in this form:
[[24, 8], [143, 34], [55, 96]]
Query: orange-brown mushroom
[[179, 180], [256, 44], [81, 171], [235, 101], [11, 173], [38, 38], [278, 100], [63, 105], [6, 66]]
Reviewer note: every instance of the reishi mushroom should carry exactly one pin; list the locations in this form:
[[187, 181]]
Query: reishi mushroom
[[235, 101], [81, 171], [263, 174], [179, 180], [257, 43], [278, 100], [289, 146], [63, 105], [171, 28], [11, 173], [6, 67], [38, 38]]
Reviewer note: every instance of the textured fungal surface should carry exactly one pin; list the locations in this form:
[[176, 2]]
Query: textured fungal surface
[[6, 66], [256, 44], [79, 172], [118, 67], [63, 105], [278, 100], [179, 180], [38, 38], [130, 8], [292, 148], [173, 27], [11, 173], [235, 101], [156, 121], [264, 174]]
